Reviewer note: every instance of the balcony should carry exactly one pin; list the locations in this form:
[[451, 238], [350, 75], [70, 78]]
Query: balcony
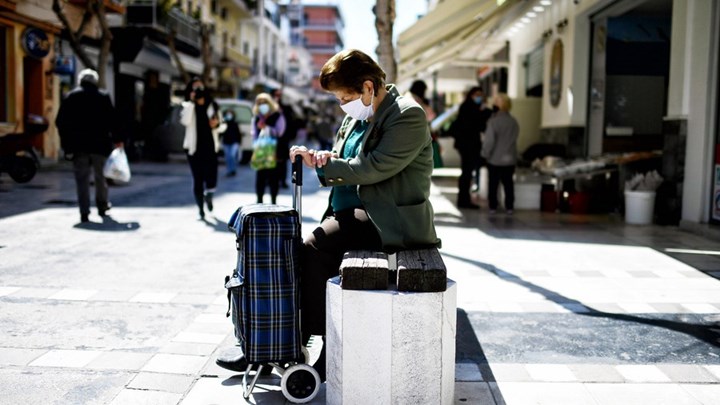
[[146, 13]]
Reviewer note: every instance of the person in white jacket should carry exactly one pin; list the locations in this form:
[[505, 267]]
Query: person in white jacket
[[201, 117]]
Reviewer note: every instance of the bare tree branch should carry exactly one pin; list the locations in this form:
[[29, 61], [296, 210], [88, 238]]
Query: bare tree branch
[[176, 57], [74, 39]]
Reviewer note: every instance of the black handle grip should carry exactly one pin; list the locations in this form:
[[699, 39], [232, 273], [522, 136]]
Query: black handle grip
[[298, 170]]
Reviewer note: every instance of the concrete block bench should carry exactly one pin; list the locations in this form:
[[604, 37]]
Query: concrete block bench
[[386, 346]]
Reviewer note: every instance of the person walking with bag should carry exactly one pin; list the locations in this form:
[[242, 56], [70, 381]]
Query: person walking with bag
[[268, 122], [500, 150], [87, 124], [201, 117]]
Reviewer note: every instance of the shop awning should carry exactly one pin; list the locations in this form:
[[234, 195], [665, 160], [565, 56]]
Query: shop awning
[[460, 32]]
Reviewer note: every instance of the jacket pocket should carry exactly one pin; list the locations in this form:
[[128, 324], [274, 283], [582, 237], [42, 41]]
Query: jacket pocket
[[416, 221]]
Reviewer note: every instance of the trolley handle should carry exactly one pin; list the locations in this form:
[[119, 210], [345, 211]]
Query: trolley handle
[[297, 179]]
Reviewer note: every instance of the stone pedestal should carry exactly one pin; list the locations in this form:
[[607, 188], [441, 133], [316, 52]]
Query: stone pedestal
[[390, 347]]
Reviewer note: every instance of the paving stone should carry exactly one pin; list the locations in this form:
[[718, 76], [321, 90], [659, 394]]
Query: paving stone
[[642, 373], [66, 358], [555, 393], [70, 294], [706, 394], [509, 372], [174, 383], [195, 337], [31, 292], [175, 364], [192, 349], [118, 360], [473, 393], [593, 373], [144, 397], [153, 297], [550, 372], [10, 356], [655, 394], [468, 372], [687, 373], [8, 290]]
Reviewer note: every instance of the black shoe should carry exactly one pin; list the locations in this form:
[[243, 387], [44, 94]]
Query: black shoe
[[233, 361], [468, 205], [84, 218], [209, 201], [103, 211]]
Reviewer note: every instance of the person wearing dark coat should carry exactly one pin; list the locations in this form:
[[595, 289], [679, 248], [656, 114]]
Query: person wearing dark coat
[[283, 145], [469, 124], [87, 125], [231, 143]]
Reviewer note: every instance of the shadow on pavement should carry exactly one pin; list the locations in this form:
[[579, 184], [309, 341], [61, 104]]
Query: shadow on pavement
[[108, 225], [707, 333]]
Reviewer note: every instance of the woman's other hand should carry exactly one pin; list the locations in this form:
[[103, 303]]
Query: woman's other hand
[[321, 157]]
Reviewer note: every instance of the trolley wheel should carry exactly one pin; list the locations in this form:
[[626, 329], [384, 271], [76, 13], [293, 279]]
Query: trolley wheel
[[22, 169], [300, 383]]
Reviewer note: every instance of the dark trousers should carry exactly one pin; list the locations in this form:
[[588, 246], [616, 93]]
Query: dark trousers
[[469, 162], [504, 175], [321, 257], [205, 172], [83, 165], [267, 178]]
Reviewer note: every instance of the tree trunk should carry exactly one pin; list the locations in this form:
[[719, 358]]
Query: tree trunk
[[206, 53], [384, 20], [176, 57], [105, 42], [94, 9]]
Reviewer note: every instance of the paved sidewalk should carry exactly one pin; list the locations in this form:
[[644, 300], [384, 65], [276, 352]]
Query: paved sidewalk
[[552, 308]]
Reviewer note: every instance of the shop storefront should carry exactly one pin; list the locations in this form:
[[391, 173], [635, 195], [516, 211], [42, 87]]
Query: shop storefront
[[633, 82], [28, 92]]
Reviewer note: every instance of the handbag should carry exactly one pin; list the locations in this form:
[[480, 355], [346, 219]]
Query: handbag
[[264, 149], [116, 166]]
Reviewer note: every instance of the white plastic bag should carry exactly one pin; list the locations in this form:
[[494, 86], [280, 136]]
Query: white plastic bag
[[117, 167]]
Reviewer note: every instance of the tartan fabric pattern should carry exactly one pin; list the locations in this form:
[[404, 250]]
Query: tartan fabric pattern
[[265, 299]]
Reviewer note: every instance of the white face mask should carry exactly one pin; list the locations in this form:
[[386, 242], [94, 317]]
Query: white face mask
[[358, 110], [263, 109]]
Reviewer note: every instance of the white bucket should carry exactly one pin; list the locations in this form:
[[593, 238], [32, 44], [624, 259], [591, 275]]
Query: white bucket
[[639, 207]]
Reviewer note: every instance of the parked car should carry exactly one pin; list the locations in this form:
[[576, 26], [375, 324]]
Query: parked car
[[168, 137], [243, 116]]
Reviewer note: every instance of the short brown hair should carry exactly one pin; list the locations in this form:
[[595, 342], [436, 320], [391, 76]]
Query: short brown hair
[[348, 70]]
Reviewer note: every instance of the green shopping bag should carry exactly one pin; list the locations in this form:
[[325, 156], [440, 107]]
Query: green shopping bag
[[264, 149]]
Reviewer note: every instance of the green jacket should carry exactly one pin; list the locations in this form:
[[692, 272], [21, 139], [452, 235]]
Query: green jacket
[[392, 172]]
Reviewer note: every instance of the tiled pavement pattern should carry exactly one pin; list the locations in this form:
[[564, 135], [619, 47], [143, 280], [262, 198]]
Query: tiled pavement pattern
[[552, 310]]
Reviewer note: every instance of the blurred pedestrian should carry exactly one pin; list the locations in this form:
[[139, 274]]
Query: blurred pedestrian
[[500, 150], [267, 115], [87, 124], [466, 129], [201, 117], [292, 125], [231, 143], [417, 91]]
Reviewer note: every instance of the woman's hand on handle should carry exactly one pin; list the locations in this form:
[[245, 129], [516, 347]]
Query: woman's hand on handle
[[305, 153]]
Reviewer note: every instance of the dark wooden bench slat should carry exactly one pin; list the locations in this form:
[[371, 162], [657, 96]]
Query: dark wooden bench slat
[[364, 270], [421, 270]]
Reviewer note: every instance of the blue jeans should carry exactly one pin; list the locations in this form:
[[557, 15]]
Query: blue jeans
[[231, 157]]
